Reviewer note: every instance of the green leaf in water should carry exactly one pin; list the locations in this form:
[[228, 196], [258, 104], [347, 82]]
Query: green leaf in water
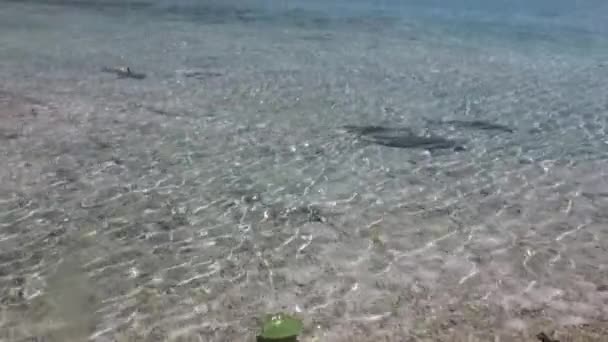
[[280, 326]]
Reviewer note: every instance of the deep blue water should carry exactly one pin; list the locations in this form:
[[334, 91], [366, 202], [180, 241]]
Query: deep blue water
[[587, 15], [580, 24]]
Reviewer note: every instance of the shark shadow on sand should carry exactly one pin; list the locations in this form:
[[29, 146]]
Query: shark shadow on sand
[[402, 137], [474, 124]]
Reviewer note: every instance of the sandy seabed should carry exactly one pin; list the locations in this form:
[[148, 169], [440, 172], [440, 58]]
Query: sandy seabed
[[185, 205]]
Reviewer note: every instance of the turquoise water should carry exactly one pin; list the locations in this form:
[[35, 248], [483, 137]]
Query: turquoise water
[[215, 181]]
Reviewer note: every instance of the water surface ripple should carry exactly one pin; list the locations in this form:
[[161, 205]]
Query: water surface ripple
[[185, 205]]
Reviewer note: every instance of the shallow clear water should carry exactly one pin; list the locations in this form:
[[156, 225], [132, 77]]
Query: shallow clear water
[[185, 205]]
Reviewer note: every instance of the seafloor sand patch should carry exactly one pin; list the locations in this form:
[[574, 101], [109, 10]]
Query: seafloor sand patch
[[184, 205]]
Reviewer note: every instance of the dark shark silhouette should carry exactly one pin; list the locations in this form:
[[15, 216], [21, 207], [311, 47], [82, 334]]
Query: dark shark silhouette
[[124, 72], [402, 138]]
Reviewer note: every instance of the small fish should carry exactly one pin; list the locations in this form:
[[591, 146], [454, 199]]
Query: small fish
[[124, 72]]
